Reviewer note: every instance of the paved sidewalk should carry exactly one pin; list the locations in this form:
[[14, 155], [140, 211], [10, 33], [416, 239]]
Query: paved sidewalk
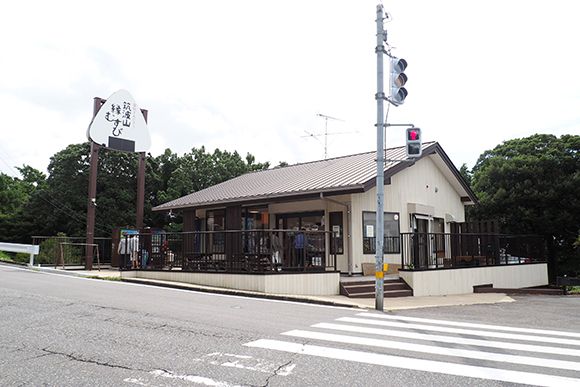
[[397, 303]]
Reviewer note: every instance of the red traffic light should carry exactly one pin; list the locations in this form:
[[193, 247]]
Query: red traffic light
[[414, 149], [413, 134]]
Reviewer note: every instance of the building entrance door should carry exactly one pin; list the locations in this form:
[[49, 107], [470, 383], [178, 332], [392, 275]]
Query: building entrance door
[[303, 246], [421, 251]]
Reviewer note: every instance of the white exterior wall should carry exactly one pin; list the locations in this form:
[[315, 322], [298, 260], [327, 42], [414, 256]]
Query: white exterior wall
[[462, 281], [315, 284], [423, 184]]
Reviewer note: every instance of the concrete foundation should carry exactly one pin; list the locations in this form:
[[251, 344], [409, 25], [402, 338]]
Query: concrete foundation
[[314, 284], [461, 281]]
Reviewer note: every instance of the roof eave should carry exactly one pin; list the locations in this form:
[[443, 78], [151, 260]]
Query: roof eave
[[333, 190]]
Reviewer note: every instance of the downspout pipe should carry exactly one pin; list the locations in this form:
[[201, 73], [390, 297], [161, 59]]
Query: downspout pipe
[[348, 248]]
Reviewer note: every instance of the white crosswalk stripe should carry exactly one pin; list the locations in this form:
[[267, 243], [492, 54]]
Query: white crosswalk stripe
[[461, 331], [541, 361], [418, 364], [453, 339], [470, 325], [534, 361]]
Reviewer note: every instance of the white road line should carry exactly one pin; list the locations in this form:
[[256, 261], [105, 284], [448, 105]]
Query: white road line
[[417, 364], [510, 336], [464, 353], [193, 379], [245, 362], [450, 339], [471, 325]]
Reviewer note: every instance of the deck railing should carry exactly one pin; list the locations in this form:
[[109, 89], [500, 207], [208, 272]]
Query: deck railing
[[234, 251], [427, 251]]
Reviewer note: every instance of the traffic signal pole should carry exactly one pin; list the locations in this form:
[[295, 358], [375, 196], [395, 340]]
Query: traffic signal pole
[[380, 98]]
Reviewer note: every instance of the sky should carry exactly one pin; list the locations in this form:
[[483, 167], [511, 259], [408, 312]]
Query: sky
[[255, 76]]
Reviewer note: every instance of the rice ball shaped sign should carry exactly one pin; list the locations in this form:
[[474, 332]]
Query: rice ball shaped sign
[[119, 124]]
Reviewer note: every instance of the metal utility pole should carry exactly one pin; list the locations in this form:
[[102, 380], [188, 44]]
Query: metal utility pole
[[380, 97]]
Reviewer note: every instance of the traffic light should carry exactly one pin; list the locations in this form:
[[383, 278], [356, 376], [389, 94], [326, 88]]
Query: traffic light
[[397, 80], [414, 148]]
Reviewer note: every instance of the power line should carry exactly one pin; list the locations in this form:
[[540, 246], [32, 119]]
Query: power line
[[62, 207]]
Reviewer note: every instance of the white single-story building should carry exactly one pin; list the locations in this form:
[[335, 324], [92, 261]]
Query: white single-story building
[[333, 202]]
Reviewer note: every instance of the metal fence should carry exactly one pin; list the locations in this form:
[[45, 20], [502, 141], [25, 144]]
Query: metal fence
[[235, 251], [63, 250], [391, 245], [425, 251]]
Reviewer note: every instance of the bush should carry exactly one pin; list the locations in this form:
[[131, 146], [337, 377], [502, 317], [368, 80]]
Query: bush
[[12, 257], [22, 258], [50, 251]]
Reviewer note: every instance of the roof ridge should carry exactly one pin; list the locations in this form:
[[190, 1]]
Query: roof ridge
[[335, 158], [340, 173]]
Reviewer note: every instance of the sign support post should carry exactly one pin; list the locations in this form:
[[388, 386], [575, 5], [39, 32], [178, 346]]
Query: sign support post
[[141, 185], [91, 201], [118, 124]]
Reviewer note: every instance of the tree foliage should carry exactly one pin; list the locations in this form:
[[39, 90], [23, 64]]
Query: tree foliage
[[532, 186], [46, 205], [15, 193]]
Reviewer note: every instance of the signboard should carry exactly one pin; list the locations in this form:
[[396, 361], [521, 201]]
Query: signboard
[[119, 124], [336, 231]]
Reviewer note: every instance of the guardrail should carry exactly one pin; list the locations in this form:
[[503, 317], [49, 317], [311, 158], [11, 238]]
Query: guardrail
[[21, 248]]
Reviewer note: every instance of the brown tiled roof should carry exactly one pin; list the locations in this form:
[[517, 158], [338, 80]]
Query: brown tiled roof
[[348, 173]]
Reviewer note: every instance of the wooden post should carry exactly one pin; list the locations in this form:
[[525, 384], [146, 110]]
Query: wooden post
[[92, 197], [141, 185]]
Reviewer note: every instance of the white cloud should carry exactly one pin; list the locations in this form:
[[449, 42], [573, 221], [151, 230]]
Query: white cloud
[[251, 76]]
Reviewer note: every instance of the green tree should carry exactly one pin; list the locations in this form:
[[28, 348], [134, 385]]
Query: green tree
[[62, 203], [532, 186], [466, 174], [199, 169], [58, 203], [15, 195]]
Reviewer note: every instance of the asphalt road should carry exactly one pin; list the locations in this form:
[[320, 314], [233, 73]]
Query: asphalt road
[[62, 331]]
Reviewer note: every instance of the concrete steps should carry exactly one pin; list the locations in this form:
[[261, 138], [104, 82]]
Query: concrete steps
[[366, 288]]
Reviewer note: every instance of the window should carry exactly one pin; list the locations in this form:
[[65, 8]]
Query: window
[[391, 244], [255, 218], [216, 222], [337, 239]]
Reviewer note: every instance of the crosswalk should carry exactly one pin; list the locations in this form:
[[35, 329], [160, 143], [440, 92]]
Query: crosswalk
[[492, 352]]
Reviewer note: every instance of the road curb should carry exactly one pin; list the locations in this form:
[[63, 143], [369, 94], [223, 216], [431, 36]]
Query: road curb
[[193, 288], [233, 292]]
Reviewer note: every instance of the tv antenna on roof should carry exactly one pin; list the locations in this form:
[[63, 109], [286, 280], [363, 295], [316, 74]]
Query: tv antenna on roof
[[325, 134]]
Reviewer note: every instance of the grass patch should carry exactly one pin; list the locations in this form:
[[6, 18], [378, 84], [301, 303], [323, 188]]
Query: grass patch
[[5, 257], [573, 289]]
